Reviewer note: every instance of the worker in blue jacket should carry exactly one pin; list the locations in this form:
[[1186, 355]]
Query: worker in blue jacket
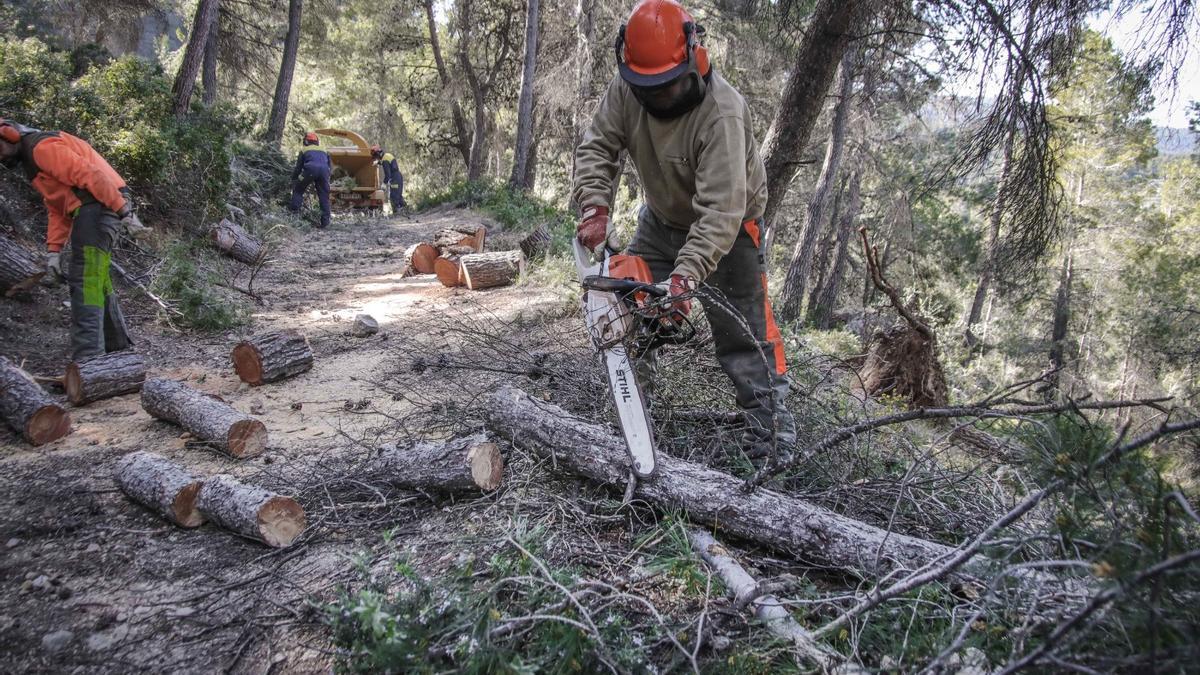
[[313, 167], [391, 176]]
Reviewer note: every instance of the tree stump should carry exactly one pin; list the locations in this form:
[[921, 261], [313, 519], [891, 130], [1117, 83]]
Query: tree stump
[[469, 463], [251, 511], [161, 485], [28, 409], [488, 270], [207, 418], [422, 258], [271, 357], [237, 243], [20, 270], [537, 243], [104, 377], [448, 271]]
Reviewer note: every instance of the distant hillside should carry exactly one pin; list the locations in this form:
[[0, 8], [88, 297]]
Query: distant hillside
[[1176, 141]]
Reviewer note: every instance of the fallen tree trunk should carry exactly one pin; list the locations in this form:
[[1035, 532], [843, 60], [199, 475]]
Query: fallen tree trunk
[[28, 409], [423, 256], [472, 237], [463, 464], [251, 511], [406, 263], [20, 269], [448, 271], [167, 488], [488, 270], [537, 244], [810, 533], [774, 616], [207, 418], [104, 377], [237, 243], [271, 357]]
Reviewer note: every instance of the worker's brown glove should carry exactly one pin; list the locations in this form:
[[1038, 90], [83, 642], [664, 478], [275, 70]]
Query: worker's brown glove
[[679, 289], [593, 228]]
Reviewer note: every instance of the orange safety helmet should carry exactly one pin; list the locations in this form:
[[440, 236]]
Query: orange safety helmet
[[660, 43], [311, 138], [8, 132]]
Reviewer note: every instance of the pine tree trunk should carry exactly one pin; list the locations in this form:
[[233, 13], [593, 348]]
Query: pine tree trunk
[[821, 312], [20, 270], [272, 357], [524, 141], [462, 134], [287, 67], [477, 160], [488, 270], [251, 511], [800, 264], [237, 243], [167, 488], [193, 57], [471, 464], [833, 24], [823, 254], [208, 77], [585, 33], [104, 376], [207, 418], [28, 409], [1062, 318]]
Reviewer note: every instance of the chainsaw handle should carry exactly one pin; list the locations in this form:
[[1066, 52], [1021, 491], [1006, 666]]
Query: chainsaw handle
[[596, 282]]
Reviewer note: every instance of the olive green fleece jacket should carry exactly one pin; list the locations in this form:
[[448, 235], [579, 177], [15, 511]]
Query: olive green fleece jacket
[[700, 172]]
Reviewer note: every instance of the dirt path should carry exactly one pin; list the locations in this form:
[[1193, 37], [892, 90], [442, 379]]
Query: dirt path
[[137, 593]]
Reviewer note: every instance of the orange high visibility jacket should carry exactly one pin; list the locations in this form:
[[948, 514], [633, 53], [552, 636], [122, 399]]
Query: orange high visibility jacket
[[68, 173]]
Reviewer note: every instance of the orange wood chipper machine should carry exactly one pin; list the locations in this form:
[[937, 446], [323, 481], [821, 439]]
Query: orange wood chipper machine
[[351, 156]]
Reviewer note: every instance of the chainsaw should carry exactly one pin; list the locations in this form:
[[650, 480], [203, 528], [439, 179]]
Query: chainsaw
[[627, 316]]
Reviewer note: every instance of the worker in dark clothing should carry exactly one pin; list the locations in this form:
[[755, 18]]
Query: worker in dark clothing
[[313, 167], [87, 202], [392, 177]]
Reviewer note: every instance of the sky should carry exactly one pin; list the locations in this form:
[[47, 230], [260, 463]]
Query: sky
[[1171, 103]]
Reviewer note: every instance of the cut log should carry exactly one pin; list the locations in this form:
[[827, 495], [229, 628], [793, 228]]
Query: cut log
[[537, 244], [774, 616], [422, 258], [488, 270], [237, 243], [20, 269], [167, 488], [406, 264], [28, 409], [808, 532], [251, 511], [206, 417], [469, 463], [272, 357], [448, 271], [104, 376], [447, 251]]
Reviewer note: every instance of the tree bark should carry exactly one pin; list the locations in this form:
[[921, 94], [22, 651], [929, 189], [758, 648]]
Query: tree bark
[[193, 57], [488, 270], [104, 377], [522, 152], [476, 158], [783, 523], [272, 357], [467, 464], [537, 243], [208, 77], [207, 418], [251, 511], [283, 86], [585, 33], [28, 409], [460, 235], [20, 270], [460, 124], [406, 262], [800, 264], [237, 243], [821, 311], [161, 485], [833, 24], [1062, 318]]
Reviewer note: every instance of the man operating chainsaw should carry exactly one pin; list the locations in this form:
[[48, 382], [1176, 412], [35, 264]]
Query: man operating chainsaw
[[688, 133]]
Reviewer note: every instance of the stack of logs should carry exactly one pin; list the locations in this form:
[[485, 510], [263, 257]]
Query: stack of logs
[[455, 254]]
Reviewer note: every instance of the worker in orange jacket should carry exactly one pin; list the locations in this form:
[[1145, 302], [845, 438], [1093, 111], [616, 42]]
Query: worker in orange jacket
[[87, 202]]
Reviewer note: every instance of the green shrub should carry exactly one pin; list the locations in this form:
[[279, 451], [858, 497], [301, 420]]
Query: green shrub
[[189, 288], [517, 211]]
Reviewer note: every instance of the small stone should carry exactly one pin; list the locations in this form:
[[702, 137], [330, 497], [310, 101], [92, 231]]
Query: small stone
[[13, 543], [98, 642], [26, 586], [93, 548], [30, 576], [57, 641], [364, 325], [41, 583], [719, 643]]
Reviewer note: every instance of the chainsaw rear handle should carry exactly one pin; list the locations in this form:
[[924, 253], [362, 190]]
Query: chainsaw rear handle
[[595, 282]]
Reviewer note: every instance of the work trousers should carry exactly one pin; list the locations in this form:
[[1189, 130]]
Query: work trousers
[[320, 182], [97, 325], [748, 344]]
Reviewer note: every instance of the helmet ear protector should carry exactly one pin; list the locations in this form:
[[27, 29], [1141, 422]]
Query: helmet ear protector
[[8, 132], [695, 56]]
